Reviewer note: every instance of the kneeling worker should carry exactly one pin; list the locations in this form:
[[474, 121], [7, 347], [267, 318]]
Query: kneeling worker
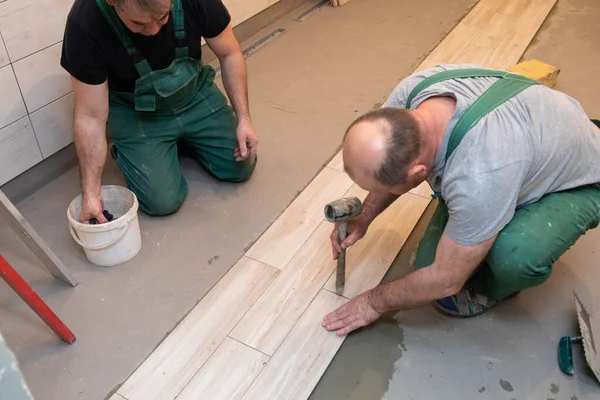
[[516, 168], [136, 64]]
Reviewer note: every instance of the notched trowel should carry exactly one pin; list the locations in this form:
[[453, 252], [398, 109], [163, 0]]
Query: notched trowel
[[589, 327]]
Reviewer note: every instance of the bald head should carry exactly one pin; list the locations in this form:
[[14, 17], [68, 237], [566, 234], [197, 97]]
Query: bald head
[[380, 146]]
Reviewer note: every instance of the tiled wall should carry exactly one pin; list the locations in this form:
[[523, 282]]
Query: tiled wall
[[36, 102]]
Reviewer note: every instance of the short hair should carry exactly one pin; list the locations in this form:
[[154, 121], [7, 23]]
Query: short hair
[[156, 8], [404, 143]]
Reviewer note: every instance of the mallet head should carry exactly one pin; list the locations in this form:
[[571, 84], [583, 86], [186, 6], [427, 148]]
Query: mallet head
[[343, 209]]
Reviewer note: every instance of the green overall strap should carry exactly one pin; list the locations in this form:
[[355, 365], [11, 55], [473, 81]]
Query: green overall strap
[[502, 90], [181, 51], [141, 64]]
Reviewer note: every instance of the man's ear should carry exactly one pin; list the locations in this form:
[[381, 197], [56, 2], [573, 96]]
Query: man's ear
[[110, 3], [417, 172]]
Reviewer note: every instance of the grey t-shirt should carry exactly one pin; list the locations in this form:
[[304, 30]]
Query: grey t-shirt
[[538, 142]]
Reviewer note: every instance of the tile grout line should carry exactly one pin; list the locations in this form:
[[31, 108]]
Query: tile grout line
[[35, 52], [286, 336], [27, 111], [228, 334], [258, 298], [199, 368], [52, 102], [250, 347]]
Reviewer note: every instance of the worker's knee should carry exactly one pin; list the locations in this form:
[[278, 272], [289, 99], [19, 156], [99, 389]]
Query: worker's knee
[[518, 268], [161, 202], [236, 172]]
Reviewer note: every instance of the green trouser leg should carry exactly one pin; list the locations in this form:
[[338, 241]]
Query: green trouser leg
[[525, 250], [146, 147]]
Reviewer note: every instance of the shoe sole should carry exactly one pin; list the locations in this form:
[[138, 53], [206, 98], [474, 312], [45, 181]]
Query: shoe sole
[[451, 314]]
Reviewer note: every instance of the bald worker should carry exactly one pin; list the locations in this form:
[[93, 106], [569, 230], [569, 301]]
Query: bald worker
[[515, 166]]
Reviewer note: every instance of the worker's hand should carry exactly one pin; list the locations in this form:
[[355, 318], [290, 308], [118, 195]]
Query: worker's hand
[[357, 228], [92, 206], [355, 314], [247, 140]]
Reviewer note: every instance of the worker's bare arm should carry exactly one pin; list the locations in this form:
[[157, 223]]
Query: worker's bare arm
[[89, 134], [446, 276], [373, 205], [233, 67]]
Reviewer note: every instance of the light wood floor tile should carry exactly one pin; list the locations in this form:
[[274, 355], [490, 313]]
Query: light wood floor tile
[[227, 374], [281, 241], [274, 314], [117, 396], [173, 364], [369, 259], [303, 357], [423, 190]]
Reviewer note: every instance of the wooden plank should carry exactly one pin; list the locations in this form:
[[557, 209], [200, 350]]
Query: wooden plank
[[34, 241], [511, 46], [285, 236], [227, 374], [482, 13], [513, 7], [303, 357], [370, 258], [496, 27], [174, 363], [423, 190], [274, 314]]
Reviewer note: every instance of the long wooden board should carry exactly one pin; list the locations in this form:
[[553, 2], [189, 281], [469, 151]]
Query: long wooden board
[[177, 359], [281, 312], [303, 357], [227, 374]]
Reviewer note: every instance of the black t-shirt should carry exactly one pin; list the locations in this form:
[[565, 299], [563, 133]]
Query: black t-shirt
[[93, 53]]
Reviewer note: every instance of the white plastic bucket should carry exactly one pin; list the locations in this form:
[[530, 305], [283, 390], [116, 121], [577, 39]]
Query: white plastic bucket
[[114, 242]]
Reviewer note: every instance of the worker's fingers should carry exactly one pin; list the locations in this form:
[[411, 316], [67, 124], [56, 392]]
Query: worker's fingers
[[100, 218], [341, 323], [349, 328]]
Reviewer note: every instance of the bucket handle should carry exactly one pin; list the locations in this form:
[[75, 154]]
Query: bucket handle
[[101, 246]]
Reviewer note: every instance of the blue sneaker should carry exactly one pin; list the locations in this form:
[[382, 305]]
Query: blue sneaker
[[467, 303]]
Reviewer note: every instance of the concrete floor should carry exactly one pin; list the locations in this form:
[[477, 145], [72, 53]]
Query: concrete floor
[[510, 353], [305, 88]]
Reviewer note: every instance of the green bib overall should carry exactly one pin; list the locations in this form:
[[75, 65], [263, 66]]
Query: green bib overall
[[178, 104], [515, 261]]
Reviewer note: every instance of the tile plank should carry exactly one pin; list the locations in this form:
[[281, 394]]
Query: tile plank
[[4, 59], [285, 236], [369, 259], [303, 357], [177, 359], [274, 314], [41, 78], [12, 106], [19, 150], [227, 374], [423, 190], [28, 26], [53, 125]]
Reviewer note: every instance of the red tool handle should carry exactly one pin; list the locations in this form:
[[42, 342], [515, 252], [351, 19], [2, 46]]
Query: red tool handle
[[26, 292]]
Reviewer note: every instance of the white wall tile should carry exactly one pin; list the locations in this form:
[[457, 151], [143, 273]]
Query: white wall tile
[[19, 150], [4, 60], [32, 25], [41, 78], [53, 125], [11, 103]]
